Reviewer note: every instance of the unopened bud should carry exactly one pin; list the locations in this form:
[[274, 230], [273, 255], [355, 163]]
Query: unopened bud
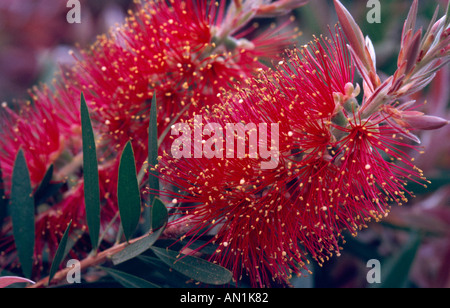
[[424, 122], [279, 8], [349, 89]]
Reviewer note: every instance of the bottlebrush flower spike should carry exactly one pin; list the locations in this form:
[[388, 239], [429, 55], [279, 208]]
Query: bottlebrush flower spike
[[337, 158], [205, 46], [267, 220], [185, 51]]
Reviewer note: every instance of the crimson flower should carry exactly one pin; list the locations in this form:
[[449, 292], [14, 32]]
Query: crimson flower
[[266, 220], [338, 163], [184, 51]]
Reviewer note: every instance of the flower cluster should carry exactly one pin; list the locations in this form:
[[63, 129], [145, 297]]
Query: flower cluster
[[184, 51], [342, 163], [339, 154]]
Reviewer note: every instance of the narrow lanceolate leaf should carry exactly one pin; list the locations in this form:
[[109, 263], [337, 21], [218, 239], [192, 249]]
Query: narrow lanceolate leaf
[[410, 22], [22, 213], [159, 220], [137, 248], [90, 173], [128, 194], [412, 51], [153, 180], [193, 267], [352, 32], [128, 280], [59, 256], [45, 181], [159, 214]]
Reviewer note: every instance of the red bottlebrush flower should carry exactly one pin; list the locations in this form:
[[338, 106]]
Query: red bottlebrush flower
[[44, 128], [184, 51], [337, 167], [266, 220]]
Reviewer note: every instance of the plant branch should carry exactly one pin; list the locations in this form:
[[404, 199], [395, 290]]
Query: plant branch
[[91, 261]]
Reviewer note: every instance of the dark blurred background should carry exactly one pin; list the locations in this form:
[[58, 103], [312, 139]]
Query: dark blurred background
[[35, 38], [412, 244]]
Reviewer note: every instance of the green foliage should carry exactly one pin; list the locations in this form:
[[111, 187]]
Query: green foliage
[[60, 253], [46, 189], [193, 267], [40, 192], [129, 281], [90, 174], [159, 214], [128, 194], [22, 213], [153, 181], [137, 248]]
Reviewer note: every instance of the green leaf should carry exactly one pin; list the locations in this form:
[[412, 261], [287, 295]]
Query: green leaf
[[159, 214], [162, 273], [193, 267], [90, 173], [153, 180], [22, 213], [46, 189], [395, 271], [60, 253], [137, 248], [45, 181], [128, 194], [128, 280], [159, 220]]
